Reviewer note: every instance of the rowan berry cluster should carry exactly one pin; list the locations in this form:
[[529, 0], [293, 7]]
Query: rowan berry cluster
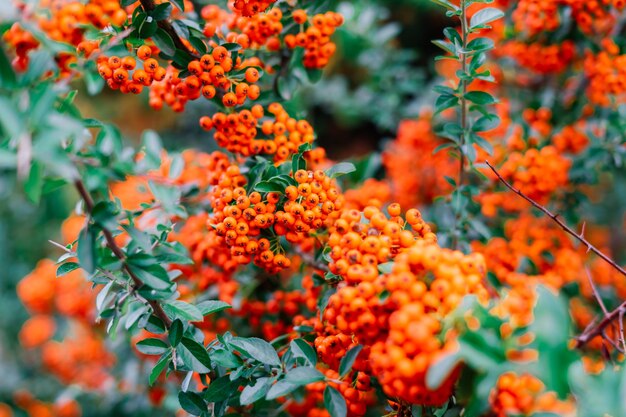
[[358, 247], [314, 37], [238, 132], [309, 204], [543, 59], [416, 174], [63, 407], [524, 395], [251, 7], [606, 73]]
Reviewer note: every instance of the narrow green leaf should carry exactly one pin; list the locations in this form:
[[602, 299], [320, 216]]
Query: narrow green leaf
[[253, 393], [334, 402], [199, 360], [256, 348], [192, 403], [304, 375], [341, 168], [87, 249], [280, 389], [66, 268], [302, 349], [348, 360], [159, 367], [182, 310], [212, 306], [175, 333]]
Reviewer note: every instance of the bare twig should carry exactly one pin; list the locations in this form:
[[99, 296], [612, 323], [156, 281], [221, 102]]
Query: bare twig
[[309, 259], [119, 254], [555, 218], [609, 317]]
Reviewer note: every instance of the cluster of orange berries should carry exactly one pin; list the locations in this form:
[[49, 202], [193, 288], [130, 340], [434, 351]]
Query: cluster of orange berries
[[309, 204], [371, 192], [536, 16], [65, 24], [251, 7], [524, 395], [238, 132], [606, 72], [542, 59], [417, 175], [571, 139], [358, 247], [318, 48]]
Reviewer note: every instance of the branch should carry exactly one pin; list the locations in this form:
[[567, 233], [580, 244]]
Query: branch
[[309, 259], [149, 6], [119, 254], [616, 314], [555, 218]]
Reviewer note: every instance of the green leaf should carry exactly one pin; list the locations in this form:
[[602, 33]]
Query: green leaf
[[154, 276], [439, 371], [34, 183], [340, 169], [220, 389], [182, 310], [225, 358], [280, 389], [212, 306], [194, 355], [161, 11], [7, 75], [256, 348], [159, 367], [304, 375], [175, 333], [480, 97], [192, 403], [152, 346], [444, 102], [253, 393], [334, 403], [87, 249], [164, 41], [270, 187], [302, 349], [66, 268], [348, 360], [180, 4], [484, 16]]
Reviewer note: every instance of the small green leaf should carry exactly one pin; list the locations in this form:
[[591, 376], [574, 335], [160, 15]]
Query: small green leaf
[[256, 348], [34, 183], [302, 349], [484, 16], [340, 169], [348, 360], [194, 355], [220, 389], [440, 370], [304, 375], [159, 367], [66, 268], [182, 310], [334, 402], [192, 403], [480, 97], [280, 389], [175, 333], [212, 306], [152, 346], [253, 393], [87, 249], [164, 41]]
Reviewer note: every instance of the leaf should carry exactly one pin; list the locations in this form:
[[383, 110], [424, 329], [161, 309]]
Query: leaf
[[440, 370], [304, 375], [253, 393], [280, 389], [340, 169], [34, 183], [199, 360], [212, 306], [192, 403], [179, 3], [444, 102], [225, 358], [175, 333], [484, 16], [87, 249], [220, 389], [480, 97], [66, 268], [164, 41], [348, 360], [256, 348], [385, 268], [302, 349], [161, 11], [153, 276], [270, 187], [159, 367], [334, 402], [182, 310], [102, 295], [152, 346]]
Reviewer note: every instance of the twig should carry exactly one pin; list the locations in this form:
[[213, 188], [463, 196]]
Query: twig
[[555, 218], [617, 314], [310, 260], [119, 254], [596, 293]]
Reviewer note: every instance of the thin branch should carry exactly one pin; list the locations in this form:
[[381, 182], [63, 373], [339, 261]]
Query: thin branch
[[617, 314], [596, 293], [309, 259], [119, 254], [555, 218]]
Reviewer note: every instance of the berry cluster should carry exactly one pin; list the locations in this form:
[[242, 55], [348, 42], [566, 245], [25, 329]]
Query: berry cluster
[[315, 39], [238, 133]]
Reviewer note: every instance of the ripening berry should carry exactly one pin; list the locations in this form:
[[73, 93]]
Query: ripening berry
[[229, 100], [252, 75], [144, 52]]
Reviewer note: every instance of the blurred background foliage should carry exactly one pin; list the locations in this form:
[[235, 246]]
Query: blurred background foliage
[[386, 62]]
